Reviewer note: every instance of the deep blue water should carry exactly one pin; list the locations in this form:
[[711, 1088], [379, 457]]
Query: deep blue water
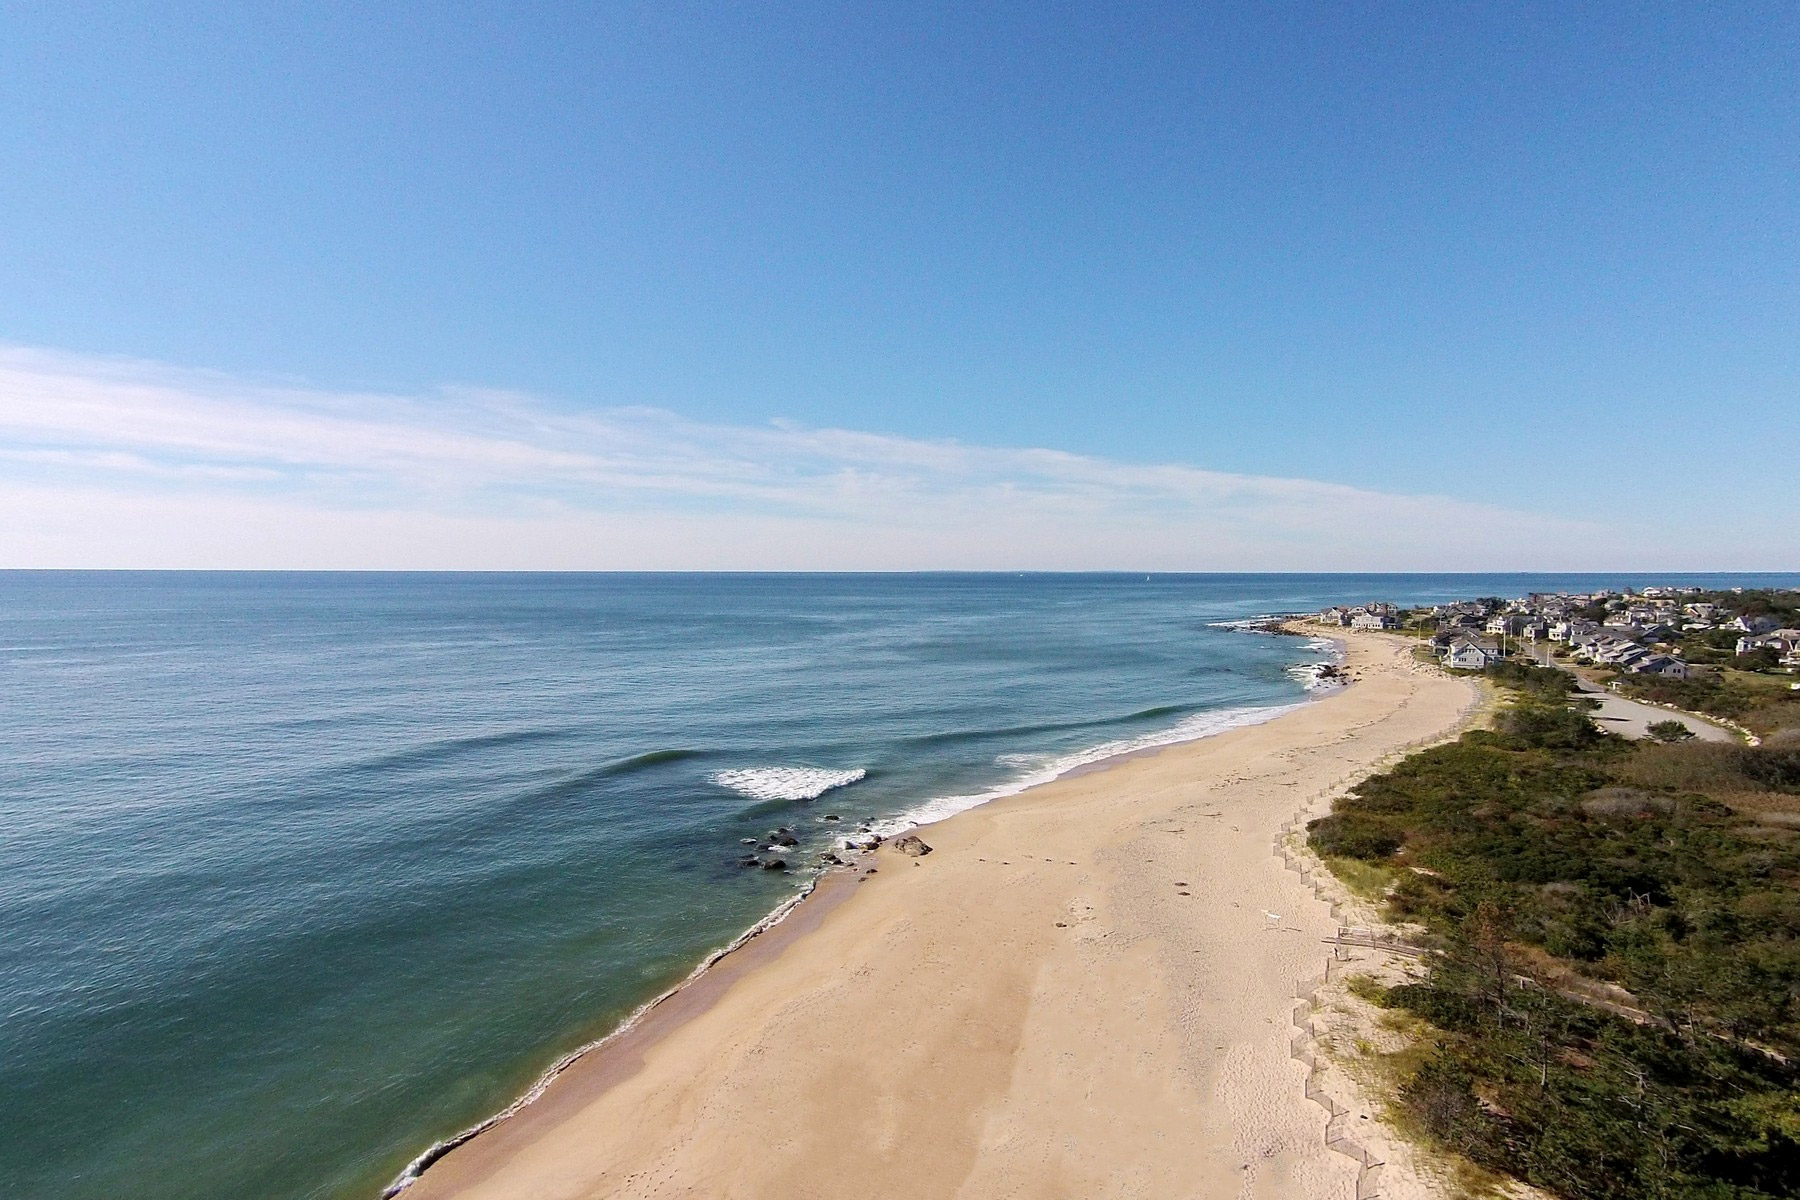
[[299, 873]]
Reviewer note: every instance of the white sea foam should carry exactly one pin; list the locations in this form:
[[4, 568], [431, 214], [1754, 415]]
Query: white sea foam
[[1312, 675], [1033, 770], [1320, 676], [787, 783]]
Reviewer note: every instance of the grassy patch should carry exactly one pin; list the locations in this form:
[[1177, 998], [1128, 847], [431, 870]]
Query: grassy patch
[[1366, 880], [1757, 683]]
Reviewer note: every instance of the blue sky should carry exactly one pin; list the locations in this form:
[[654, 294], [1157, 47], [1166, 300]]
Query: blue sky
[[1531, 276]]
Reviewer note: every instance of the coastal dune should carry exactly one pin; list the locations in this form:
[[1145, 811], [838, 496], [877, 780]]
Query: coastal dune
[[1084, 990]]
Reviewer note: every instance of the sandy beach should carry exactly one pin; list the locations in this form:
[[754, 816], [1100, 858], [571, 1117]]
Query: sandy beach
[[1085, 990]]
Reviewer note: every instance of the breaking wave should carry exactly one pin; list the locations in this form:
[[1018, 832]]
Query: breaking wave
[[787, 783], [1035, 769], [1321, 675]]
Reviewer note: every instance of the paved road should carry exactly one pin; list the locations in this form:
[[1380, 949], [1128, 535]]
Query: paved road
[[1628, 718]]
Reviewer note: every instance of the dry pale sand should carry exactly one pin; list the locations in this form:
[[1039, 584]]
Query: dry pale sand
[[1086, 990]]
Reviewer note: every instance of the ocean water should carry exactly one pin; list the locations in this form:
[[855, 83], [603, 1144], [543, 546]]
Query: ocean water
[[301, 873]]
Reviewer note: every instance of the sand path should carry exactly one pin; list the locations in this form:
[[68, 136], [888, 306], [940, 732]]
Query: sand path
[[1085, 991]]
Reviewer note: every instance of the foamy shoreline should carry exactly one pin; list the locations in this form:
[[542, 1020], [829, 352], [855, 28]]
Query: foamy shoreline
[[1098, 776]]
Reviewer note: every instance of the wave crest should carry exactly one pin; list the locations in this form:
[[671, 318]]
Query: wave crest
[[1035, 769], [787, 783], [1321, 675]]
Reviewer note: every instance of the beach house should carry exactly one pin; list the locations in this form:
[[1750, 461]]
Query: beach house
[[1466, 654], [1660, 664]]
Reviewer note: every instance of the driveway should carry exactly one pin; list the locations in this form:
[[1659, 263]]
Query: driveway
[[1628, 718]]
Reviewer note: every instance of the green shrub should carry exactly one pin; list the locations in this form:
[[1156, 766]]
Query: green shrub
[[1350, 836], [1543, 843], [1763, 658], [1544, 726], [1545, 683], [1705, 694]]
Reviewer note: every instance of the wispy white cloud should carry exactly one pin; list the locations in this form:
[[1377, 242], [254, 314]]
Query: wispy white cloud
[[108, 462]]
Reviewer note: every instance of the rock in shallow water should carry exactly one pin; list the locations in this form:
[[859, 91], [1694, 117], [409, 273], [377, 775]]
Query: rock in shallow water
[[774, 864]]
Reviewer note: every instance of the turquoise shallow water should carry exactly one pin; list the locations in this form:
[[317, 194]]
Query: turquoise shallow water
[[299, 873]]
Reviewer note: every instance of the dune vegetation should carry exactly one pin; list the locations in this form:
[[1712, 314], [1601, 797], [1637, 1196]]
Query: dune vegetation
[[1613, 997]]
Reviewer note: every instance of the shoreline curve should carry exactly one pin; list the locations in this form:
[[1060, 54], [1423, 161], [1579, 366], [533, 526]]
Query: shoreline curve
[[696, 994]]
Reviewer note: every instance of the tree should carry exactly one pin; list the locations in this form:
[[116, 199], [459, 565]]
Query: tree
[[1763, 658], [1669, 731]]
